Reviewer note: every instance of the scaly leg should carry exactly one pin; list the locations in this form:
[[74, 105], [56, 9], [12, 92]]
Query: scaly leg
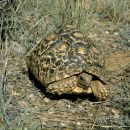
[[65, 86]]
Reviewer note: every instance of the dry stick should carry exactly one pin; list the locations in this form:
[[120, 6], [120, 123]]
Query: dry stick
[[2, 86], [2, 95], [18, 7]]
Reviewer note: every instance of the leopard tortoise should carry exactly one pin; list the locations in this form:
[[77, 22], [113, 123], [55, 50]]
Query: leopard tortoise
[[66, 62]]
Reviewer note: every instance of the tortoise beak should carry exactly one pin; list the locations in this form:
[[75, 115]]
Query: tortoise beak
[[89, 90]]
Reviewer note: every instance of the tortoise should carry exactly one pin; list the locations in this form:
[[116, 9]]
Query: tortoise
[[66, 62]]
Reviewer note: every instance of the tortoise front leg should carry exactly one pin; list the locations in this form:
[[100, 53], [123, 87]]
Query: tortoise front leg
[[99, 90], [65, 86]]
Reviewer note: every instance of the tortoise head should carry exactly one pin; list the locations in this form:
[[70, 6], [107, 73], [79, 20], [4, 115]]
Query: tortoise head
[[84, 81]]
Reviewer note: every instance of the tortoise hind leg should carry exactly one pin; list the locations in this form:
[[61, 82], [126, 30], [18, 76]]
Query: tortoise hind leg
[[65, 86]]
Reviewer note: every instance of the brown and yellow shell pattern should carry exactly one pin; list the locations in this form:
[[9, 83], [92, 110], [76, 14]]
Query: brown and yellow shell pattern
[[67, 62]]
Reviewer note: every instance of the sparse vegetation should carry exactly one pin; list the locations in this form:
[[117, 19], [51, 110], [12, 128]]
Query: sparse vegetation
[[23, 23]]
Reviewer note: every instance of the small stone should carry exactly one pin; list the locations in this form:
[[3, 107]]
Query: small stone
[[116, 33], [46, 100], [116, 113], [63, 124], [78, 123], [107, 32], [18, 48]]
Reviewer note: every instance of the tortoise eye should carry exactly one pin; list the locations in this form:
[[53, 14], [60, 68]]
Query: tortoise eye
[[81, 78]]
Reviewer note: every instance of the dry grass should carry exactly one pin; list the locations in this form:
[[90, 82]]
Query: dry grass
[[25, 23]]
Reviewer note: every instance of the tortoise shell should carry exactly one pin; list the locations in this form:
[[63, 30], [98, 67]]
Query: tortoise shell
[[63, 54]]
